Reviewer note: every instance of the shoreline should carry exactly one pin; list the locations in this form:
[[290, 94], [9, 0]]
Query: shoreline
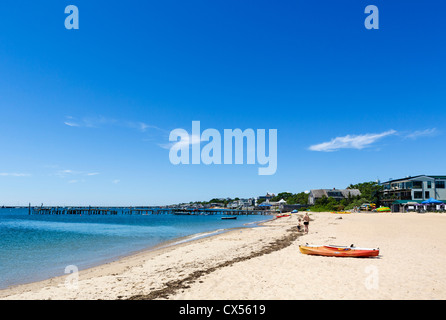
[[111, 265], [265, 263]]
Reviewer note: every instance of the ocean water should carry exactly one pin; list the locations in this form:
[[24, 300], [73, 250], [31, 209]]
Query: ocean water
[[37, 247]]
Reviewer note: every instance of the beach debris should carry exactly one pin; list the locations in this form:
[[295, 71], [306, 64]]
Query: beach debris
[[174, 286]]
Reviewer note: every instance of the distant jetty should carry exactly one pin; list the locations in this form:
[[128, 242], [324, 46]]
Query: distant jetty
[[140, 211]]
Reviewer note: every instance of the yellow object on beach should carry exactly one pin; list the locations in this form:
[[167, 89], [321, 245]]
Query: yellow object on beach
[[383, 209], [342, 212]]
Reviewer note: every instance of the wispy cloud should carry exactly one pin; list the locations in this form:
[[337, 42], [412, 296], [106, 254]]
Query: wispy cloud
[[116, 181], [72, 173], [72, 124], [88, 122], [351, 142], [65, 173], [149, 132], [101, 121], [423, 133], [14, 174], [138, 125]]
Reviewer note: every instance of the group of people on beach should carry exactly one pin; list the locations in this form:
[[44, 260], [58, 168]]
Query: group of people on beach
[[306, 223]]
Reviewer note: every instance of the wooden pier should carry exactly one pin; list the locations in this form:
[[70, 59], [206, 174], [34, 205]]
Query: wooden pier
[[139, 211], [221, 211], [71, 211]]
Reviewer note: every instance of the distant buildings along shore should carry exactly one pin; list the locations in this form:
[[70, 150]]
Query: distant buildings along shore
[[337, 194], [396, 193]]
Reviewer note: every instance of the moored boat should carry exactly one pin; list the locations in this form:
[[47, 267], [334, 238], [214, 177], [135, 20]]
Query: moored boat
[[339, 251], [228, 218]]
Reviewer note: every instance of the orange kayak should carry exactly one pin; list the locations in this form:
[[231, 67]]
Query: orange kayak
[[339, 251]]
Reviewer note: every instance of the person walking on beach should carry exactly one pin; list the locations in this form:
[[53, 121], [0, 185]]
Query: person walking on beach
[[306, 221]]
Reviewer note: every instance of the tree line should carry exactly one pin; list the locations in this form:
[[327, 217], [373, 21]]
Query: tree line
[[369, 194]]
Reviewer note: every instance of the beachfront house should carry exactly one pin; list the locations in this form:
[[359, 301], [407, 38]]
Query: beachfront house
[[247, 203], [337, 194], [264, 198], [268, 196], [276, 205], [241, 203], [397, 192]]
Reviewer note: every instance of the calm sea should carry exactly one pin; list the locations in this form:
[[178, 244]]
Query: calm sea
[[37, 247]]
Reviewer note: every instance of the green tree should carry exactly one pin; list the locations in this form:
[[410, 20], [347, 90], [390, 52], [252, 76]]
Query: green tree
[[369, 190], [291, 198], [282, 195]]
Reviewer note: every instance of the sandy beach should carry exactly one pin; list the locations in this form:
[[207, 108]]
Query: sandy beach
[[265, 263]]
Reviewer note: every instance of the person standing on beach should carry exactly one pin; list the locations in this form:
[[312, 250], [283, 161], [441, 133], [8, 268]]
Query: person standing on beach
[[306, 221], [299, 225]]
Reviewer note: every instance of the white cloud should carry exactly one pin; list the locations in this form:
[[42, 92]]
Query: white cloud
[[100, 121], [70, 173], [71, 124], [351, 142], [143, 126], [150, 132], [89, 122], [64, 173], [14, 174], [422, 133], [140, 126]]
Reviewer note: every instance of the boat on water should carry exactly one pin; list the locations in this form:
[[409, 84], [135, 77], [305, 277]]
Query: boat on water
[[282, 215], [339, 251], [228, 218]]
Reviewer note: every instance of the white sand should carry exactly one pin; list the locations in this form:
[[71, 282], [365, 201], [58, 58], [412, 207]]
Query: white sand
[[411, 264]]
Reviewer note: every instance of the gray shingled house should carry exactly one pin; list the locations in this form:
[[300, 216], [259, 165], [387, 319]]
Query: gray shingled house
[[337, 194]]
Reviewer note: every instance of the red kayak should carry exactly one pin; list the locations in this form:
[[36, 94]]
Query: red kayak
[[339, 251]]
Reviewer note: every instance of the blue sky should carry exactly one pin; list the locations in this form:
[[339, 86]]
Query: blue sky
[[85, 113]]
